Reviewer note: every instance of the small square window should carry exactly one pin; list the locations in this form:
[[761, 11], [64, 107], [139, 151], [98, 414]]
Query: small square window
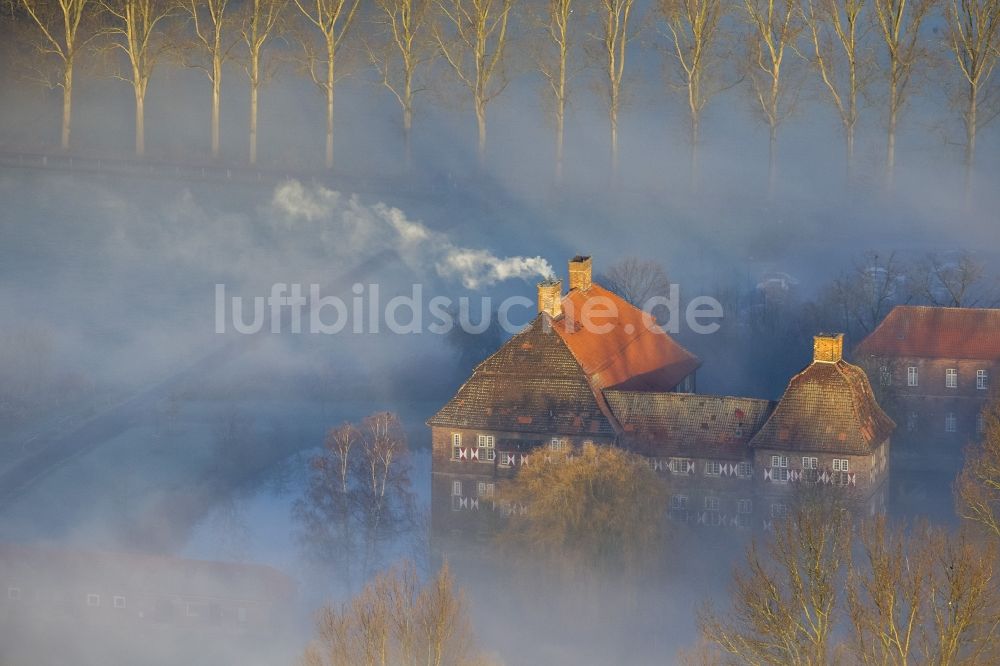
[[713, 468], [93, 600], [557, 444], [778, 510], [809, 463], [841, 465], [744, 470], [744, 506], [711, 503], [678, 502], [119, 602]]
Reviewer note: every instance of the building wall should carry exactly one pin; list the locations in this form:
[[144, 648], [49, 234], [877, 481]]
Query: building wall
[[864, 473]]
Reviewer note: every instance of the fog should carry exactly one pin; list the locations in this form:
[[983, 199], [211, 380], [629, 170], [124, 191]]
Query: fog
[[131, 427]]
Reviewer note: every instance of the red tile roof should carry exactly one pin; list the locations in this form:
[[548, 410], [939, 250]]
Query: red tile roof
[[633, 354], [828, 407], [927, 332]]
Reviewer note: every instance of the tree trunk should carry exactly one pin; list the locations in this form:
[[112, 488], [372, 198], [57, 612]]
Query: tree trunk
[[216, 97], [890, 152], [614, 141], [140, 122], [695, 128], [849, 132], [481, 124], [970, 140], [254, 88], [560, 131], [329, 111], [772, 161], [67, 113], [407, 135]]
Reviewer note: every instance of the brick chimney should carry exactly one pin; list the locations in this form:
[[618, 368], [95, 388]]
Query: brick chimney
[[580, 273], [550, 297], [828, 348]]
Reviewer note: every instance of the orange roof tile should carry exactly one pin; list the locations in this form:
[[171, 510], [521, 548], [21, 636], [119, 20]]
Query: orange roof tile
[[632, 354], [929, 332]]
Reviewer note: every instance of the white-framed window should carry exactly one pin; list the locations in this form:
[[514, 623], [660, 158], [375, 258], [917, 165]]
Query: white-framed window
[[778, 510], [950, 422], [780, 474], [119, 602], [982, 380], [506, 459], [810, 463], [486, 490], [456, 444], [681, 466], [885, 376], [456, 488], [911, 376], [93, 600], [779, 461], [980, 424], [487, 448], [744, 506], [911, 421], [557, 445], [951, 378], [841, 465], [744, 470], [14, 593], [711, 504], [713, 468], [678, 501]]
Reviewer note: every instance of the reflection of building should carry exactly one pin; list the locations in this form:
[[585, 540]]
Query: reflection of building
[[563, 382], [128, 589], [936, 367]]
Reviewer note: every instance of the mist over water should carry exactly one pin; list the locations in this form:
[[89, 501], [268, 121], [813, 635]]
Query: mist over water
[[107, 285]]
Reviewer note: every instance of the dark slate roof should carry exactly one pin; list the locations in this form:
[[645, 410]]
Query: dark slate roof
[[532, 384], [688, 424], [924, 332], [828, 407], [632, 354]]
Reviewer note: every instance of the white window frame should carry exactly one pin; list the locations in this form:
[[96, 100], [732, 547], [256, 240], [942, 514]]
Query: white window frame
[[456, 444], [744, 507], [506, 459], [885, 376], [744, 470], [713, 468], [841, 465], [456, 488], [809, 462], [951, 378], [712, 503], [487, 443], [912, 376], [93, 600], [778, 461], [982, 380], [557, 444], [950, 422], [486, 490], [118, 602], [678, 502]]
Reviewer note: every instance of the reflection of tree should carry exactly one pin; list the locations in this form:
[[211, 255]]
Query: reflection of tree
[[358, 496]]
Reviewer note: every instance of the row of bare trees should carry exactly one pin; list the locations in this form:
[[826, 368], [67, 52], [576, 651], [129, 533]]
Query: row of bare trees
[[775, 45]]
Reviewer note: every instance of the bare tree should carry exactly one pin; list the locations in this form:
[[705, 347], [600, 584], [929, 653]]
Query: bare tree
[[553, 61], [958, 282], [862, 297], [836, 30], [62, 31], [259, 23], [898, 22], [775, 29], [401, 51], [341, 442], [333, 19], [637, 280], [614, 34], [694, 34], [135, 29], [396, 621], [472, 36], [978, 485], [211, 21], [974, 39], [785, 603], [383, 444]]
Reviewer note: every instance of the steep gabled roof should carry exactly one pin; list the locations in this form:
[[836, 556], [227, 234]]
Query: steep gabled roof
[[632, 354], [532, 384], [828, 407], [928, 332], [688, 424]]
